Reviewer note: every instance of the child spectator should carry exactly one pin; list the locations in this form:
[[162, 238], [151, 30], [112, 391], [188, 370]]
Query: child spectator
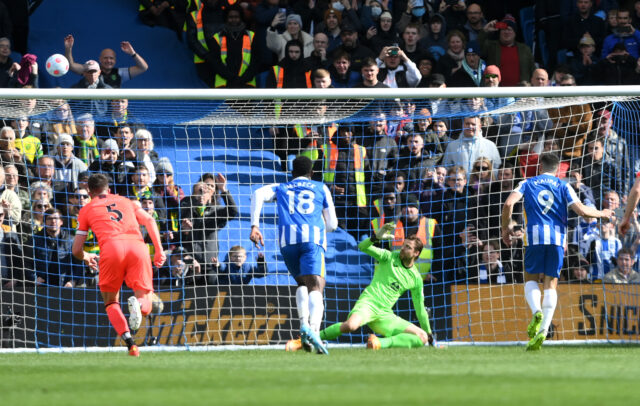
[[235, 270], [491, 270], [603, 249]]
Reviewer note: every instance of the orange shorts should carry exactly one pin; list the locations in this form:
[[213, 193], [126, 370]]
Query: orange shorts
[[128, 261]]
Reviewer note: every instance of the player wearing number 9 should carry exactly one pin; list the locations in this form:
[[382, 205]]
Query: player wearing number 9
[[546, 203], [305, 213]]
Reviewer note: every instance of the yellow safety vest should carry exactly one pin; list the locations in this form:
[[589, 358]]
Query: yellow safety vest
[[247, 40], [197, 18], [426, 229], [330, 152]]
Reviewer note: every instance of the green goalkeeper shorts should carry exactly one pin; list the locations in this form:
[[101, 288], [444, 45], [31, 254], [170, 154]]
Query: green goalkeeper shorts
[[382, 322]]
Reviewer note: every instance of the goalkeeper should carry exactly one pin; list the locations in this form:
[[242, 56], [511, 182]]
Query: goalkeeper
[[395, 274]]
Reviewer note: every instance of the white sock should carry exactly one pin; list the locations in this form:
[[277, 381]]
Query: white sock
[[532, 294], [302, 302], [549, 303], [316, 310]]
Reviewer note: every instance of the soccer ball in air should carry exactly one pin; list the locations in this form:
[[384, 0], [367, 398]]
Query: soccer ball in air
[[57, 65]]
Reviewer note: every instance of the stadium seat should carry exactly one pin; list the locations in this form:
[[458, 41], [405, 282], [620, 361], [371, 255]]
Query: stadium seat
[[527, 22]]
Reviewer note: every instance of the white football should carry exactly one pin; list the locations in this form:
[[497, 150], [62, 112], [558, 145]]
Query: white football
[[57, 65]]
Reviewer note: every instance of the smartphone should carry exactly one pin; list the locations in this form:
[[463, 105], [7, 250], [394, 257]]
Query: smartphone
[[282, 11], [394, 51], [501, 25]]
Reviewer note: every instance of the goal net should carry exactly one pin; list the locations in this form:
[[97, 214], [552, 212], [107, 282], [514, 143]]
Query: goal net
[[438, 162]]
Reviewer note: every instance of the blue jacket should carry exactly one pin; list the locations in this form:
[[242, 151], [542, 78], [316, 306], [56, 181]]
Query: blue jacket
[[632, 42]]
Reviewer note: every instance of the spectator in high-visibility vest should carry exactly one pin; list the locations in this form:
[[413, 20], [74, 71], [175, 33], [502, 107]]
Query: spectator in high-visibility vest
[[412, 223], [345, 166], [385, 208], [291, 71], [232, 52], [204, 18]]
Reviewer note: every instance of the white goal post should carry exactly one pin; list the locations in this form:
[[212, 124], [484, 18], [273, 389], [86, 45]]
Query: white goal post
[[473, 283]]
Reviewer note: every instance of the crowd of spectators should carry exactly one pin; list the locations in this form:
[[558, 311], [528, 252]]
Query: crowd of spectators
[[43, 185], [444, 180]]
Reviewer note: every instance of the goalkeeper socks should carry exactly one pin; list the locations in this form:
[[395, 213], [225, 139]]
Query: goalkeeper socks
[[403, 340], [532, 294], [145, 305], [548, 307], [316, 310], [117, 319], [331, 333], [302, 303]]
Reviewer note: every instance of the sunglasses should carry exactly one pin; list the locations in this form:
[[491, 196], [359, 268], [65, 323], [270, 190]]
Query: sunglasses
[[490, 76], [484, 168]]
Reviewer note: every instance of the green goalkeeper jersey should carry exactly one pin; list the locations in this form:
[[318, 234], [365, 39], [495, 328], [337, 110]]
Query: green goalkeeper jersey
[[390, 280]]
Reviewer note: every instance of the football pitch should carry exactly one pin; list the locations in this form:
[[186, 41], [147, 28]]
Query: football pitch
[[557, 375]]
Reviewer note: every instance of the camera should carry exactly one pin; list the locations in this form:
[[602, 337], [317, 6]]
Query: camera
[[500, 25], [617, 58], [452, 2], [393, 51], [625, 29]]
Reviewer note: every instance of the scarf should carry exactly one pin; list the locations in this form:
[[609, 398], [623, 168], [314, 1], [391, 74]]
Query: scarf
[[25, 68], [477, 77], [457, 58], [87, 149]]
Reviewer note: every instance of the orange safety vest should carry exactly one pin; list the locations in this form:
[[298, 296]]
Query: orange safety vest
[[247, 40], [278, 72], [330, 152], [197, 18]]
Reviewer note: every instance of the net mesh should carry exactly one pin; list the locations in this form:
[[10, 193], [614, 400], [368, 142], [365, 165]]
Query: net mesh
[[415, 153]]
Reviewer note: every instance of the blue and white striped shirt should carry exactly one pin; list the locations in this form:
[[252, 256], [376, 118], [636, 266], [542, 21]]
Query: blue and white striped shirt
[[303, 206], [546, 202]]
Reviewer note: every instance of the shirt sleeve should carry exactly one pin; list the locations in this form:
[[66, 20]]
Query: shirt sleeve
[[379, 254], [329, 211], [571, 195], [521, 187], [83, 226], [417, 296], [258, 198]]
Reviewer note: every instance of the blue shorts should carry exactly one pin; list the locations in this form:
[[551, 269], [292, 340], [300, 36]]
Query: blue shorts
[[546, 259], [304, 259]]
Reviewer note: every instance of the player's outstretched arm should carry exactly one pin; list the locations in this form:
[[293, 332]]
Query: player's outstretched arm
[[632, 203], [585, 211], [384, 233], [149, 223], [258, 198]]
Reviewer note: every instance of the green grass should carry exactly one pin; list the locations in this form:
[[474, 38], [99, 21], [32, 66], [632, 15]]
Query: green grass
[[556, 375]]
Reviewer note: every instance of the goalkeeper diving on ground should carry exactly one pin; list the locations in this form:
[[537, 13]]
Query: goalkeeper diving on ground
[[395, 274]]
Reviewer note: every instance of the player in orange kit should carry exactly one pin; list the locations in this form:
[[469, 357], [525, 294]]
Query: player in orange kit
[[124, 256]]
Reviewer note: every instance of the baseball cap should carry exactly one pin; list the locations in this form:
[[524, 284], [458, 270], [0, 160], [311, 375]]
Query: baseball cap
[[112, 145], [472, 48], [91, 65], [62, 138]]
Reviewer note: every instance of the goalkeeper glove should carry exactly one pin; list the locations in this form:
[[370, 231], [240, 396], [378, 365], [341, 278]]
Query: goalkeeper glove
[[386, 232]]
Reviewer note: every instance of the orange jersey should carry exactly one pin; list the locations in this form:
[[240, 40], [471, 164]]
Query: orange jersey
[[111, 217]]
